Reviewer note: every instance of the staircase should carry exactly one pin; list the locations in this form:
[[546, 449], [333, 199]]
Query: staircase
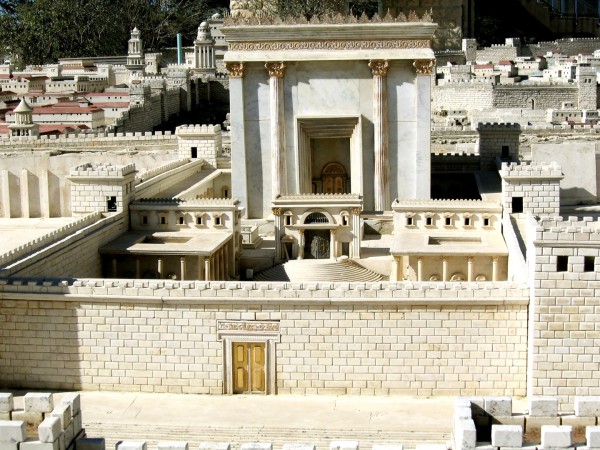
[[342, 270], [278, 436]]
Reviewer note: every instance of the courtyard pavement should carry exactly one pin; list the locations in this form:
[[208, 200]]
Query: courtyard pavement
[[257, 418]]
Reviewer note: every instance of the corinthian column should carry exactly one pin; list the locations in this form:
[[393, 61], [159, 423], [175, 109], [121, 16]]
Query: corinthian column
[[380, 122], [276, 73], [424, 72]]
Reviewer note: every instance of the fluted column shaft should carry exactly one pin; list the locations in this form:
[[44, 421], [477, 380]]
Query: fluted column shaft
[[381, 131], [278, 167]]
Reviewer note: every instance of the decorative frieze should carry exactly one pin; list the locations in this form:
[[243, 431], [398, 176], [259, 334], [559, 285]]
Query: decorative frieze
[[390, 44], [256, 327], [326, 19]]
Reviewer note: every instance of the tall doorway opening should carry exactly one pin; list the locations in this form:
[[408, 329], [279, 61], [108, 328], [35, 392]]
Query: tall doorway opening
[[249, 368]]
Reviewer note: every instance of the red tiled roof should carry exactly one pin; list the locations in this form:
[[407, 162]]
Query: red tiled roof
[[105, 105], [484, 66]]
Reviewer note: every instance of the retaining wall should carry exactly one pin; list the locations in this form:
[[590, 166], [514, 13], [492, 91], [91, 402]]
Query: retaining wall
[[361, 338]]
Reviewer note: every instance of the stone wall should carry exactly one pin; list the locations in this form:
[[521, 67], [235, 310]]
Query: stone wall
[[569, 46], [161, 336], [77, 254], [564, 351], [462, 96], [543, 96], [497, 53]]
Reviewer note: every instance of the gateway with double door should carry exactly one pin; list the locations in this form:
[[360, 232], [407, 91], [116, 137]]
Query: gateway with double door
[[249, 367]]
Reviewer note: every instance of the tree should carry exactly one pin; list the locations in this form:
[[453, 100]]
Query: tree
[[42, 31]]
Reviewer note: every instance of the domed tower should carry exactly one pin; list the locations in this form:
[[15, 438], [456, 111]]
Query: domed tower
[[24, 125], [204, 50], [135, 54]]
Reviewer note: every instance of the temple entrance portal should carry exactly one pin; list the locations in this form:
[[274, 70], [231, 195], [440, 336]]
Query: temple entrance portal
[[329, 155], [317, 244]]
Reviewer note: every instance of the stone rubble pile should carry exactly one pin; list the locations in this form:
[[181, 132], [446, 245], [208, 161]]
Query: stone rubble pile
[[486, 423], [40, 425]]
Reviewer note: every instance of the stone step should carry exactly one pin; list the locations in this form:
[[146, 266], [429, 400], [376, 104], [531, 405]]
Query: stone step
[[319, 270], [114, 433]]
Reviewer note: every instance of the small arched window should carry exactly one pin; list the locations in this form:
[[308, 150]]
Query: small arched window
[[316, 217]]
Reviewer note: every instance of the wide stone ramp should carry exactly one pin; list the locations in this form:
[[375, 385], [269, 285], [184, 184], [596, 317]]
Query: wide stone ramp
[[342, 270], [236, 436]]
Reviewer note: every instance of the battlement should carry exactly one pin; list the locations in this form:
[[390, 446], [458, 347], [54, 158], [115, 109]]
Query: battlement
[[571, 228], [318, 196], [436, 203], [338, 19], [531, 170], [102, 170], [195, 130], [496, 126], [172, 290], [43, 241], [160, 170]]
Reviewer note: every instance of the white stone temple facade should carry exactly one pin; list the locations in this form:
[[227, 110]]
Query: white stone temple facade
[[349, 97]]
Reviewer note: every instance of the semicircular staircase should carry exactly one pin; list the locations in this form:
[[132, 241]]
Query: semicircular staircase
[[342, 270]]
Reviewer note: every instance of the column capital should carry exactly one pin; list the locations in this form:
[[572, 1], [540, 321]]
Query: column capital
[[424, 66], [235, 69], [356, 211], [276, 211], [379, 67], [276, 69]]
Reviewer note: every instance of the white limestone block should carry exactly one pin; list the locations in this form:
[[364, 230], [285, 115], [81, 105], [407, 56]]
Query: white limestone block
[[90, 444], [172, 445], [131, 445], [343, 445], [256, 446], [554, 436], [465, 435], [6, 402], [214, 446], [386, 447], [74, 400], [12, 430], [587, 406], [50, 429], [9, 445], [37, 445], [63, 412], [40, 402], [430, 447], [77, 424], [498, 406], [300, 447], [592, 436], [543, 406], [507, 436]]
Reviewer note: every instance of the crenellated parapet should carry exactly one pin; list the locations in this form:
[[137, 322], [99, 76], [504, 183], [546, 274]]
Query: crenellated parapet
[[102, 170], [573, 229], [537, 170]]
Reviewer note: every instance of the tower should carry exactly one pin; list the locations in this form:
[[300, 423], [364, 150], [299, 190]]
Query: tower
[[135, 54], [24, 125], [204, 50]]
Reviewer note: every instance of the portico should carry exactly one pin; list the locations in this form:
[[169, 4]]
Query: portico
[[315, 106]]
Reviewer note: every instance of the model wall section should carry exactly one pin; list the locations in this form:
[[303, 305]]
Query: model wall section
[[462, 96], [352, 348], [565, 346], [544, 97], [77, 254]]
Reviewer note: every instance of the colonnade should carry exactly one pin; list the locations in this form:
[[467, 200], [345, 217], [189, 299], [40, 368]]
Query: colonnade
[[220, 265], [445, 269]]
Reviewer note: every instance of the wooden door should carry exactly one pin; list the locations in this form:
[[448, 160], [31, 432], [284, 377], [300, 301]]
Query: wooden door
[[249, 367]]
